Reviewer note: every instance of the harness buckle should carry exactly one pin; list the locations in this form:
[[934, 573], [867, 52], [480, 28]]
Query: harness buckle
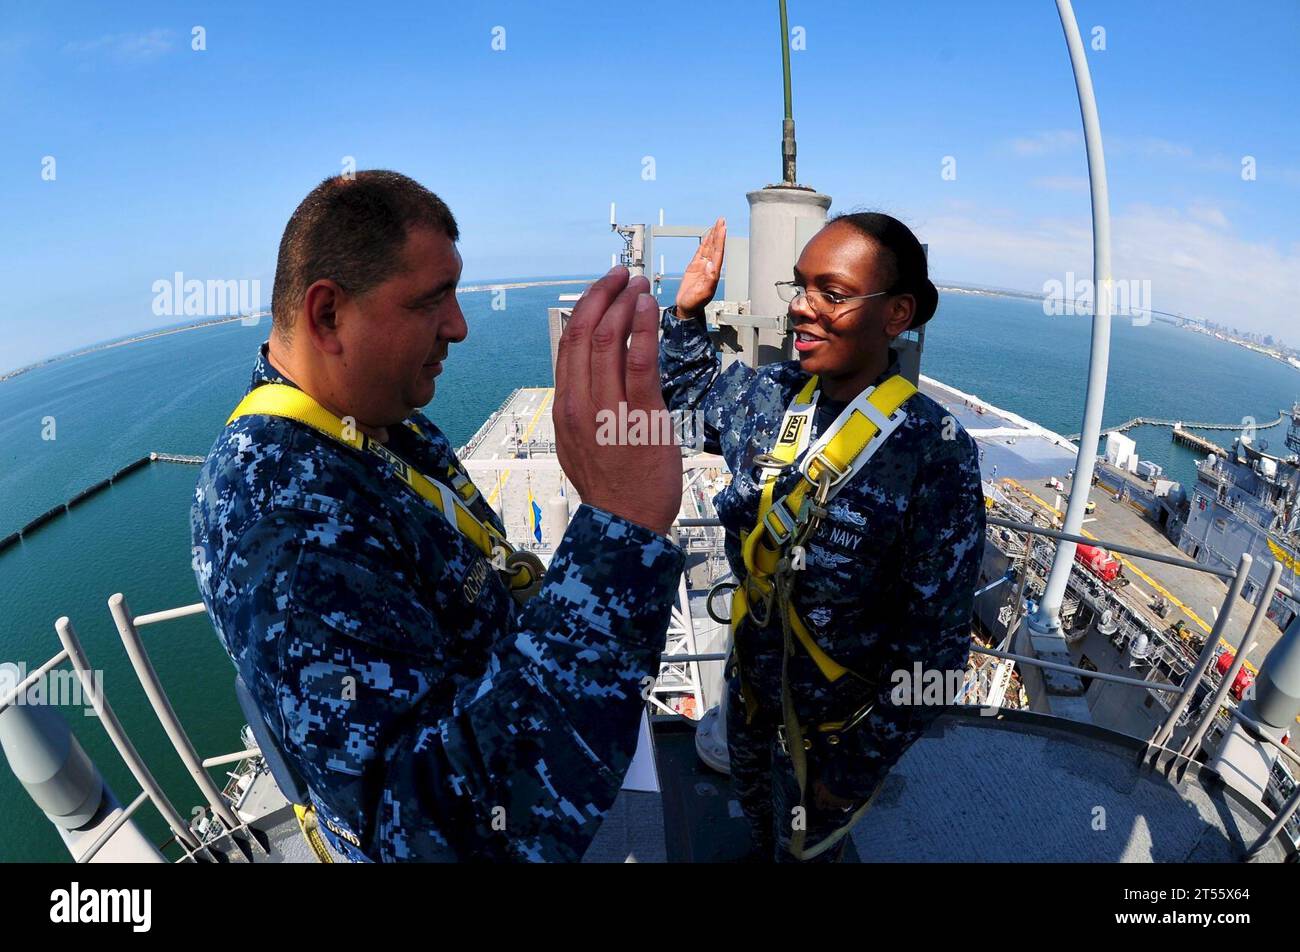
[[464, 487], [785, 747], [780, 522], [755, 595], [820, 465], [857, 717], [524, 560], [832, 732]]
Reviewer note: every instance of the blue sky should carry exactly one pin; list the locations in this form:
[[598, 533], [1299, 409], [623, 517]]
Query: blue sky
[[170, 159]]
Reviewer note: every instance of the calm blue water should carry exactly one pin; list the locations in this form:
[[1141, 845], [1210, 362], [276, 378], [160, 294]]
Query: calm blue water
[[1006, 351], [172, 394]]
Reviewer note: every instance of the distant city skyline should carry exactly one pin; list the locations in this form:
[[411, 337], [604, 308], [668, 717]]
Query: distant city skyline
[[147, 142]]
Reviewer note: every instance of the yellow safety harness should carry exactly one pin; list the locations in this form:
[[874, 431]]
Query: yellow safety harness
[[774, 551], [520, 569]]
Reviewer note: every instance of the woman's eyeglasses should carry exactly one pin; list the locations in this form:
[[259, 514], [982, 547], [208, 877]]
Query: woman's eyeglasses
[[824, 303]]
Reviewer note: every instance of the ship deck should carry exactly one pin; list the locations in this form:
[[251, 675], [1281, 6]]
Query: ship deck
[[513, 455], [1019, 456]]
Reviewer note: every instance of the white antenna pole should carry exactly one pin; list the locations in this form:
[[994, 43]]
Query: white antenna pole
[[661, 216], [612, 220], [1046, 621]]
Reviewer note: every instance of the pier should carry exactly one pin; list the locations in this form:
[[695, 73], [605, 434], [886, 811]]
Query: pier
[[94, 490], [1197, 442], [1183, 425]]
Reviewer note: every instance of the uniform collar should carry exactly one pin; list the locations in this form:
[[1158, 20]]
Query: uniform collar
[[264, 371]]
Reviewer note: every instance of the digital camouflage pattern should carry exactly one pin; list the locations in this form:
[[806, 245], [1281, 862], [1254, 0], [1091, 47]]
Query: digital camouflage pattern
[[430, 716], [889, 581]]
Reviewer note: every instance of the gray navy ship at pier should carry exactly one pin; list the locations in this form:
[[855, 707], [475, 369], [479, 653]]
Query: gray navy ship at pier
[[1247, 501], [1130, 696]]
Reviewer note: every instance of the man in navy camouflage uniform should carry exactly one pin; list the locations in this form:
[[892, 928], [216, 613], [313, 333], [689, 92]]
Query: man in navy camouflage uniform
[[430, 716], [890, 573]]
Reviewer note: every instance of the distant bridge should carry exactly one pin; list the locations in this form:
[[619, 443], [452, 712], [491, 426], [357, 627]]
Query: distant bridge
[[1184, 425]]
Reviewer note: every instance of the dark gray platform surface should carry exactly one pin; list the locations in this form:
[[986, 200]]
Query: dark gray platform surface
[[1030, 788]]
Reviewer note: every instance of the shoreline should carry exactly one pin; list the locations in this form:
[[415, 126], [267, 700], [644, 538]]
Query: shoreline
[[136, 339], [1174, 320], [1179, 323]]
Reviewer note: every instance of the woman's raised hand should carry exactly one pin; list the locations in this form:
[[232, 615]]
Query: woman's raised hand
[[700, 282]]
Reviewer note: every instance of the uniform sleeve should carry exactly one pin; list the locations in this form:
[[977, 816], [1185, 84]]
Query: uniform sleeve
[[694, 384], [940, 565], [519, 762], [944, 549]]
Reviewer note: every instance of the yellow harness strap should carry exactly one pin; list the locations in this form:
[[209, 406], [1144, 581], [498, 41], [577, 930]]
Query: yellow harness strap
[[833, 456], [279, 400]]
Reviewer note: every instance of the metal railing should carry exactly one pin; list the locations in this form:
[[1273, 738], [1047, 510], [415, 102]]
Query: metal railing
[[74, 653], [128, 629], [1285, 810]]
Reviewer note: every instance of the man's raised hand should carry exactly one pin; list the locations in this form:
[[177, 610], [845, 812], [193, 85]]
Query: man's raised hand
[[609, 355]]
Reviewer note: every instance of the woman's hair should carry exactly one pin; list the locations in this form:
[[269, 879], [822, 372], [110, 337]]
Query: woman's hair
[[903, 259]]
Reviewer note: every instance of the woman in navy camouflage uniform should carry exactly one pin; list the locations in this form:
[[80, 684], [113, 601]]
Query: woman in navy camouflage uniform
[[890, 572]]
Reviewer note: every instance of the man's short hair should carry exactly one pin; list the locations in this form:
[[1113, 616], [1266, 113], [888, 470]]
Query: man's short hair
[[351, 230]]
